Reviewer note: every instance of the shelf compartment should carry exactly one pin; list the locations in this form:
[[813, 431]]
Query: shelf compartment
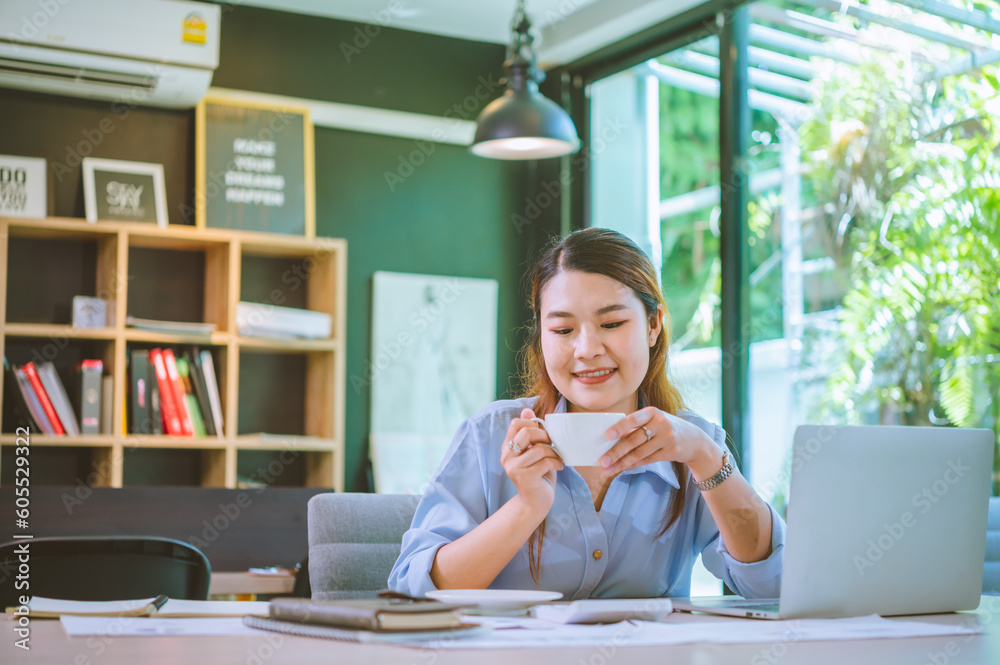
[[304, 278], [63, 352], [45, 273], [180, 346], [274, 468], [174, 466], [156, 277], [69, 465], [272, 393]]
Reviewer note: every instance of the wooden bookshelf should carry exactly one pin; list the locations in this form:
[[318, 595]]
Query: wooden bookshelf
[[293, 390]]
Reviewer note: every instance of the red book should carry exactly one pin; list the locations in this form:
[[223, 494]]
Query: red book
[[171, 416], [43, 397], [187, 425]]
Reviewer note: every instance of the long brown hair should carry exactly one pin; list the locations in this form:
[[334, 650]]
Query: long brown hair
[[608, 253]]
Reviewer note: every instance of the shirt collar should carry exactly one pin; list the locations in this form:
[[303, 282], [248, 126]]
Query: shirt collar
[[665, 470]]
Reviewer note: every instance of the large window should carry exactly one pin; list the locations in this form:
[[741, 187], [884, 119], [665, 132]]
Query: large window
[[873, 220]]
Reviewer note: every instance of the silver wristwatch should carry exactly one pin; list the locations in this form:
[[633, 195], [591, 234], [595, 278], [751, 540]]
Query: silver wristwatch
[[716, 480]]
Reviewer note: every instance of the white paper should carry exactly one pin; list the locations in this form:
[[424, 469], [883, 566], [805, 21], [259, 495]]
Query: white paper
[[140, 626], [605, 610], [213, 608], [679, 629]]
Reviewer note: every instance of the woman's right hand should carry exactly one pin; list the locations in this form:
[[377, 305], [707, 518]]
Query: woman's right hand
[[533, 470]]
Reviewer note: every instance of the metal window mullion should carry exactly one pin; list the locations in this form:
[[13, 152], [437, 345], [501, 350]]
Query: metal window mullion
[[734, 129]]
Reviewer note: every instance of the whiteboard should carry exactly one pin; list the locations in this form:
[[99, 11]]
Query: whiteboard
[[432, 364]]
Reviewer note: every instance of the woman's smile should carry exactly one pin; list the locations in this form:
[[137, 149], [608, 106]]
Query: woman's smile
[[594, 376]]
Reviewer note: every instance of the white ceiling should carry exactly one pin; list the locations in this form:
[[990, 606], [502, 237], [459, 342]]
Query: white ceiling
[[479, 20]]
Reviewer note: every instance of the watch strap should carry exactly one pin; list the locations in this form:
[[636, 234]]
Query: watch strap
[[716, 480]]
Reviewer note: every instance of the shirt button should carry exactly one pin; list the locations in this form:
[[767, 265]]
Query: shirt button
[[597, 554]]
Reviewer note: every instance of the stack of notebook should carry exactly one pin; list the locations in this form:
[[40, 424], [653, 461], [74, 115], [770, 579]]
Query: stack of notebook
[[362, 620]]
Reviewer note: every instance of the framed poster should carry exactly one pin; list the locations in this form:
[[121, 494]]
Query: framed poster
[[433, 364], [23, 184], [254, 167], [117, 191]]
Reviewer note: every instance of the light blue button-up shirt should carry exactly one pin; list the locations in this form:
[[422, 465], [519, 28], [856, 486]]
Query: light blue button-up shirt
[[614, 553]]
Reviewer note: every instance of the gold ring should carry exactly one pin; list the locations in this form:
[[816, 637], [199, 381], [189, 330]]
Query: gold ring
[[649, 435]]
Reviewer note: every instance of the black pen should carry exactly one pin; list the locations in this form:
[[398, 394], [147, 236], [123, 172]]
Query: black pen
[[159, 602]]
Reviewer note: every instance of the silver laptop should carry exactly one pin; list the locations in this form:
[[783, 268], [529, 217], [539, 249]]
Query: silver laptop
[[881, 520]]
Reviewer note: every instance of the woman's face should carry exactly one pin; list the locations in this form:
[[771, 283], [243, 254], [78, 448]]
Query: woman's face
[[595, 341]]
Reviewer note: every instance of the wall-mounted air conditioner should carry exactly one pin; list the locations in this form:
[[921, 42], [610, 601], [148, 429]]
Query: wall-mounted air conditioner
[[137, 52]]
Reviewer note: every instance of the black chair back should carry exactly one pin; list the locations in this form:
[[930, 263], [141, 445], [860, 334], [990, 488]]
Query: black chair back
[[103, 568]]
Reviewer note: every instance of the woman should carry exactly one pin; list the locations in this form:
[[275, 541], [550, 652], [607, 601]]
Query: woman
[[503, 512]]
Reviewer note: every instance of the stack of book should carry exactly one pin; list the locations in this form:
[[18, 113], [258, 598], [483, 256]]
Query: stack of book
[[270, 321], [174, 393], [42, 401], [363, 620]]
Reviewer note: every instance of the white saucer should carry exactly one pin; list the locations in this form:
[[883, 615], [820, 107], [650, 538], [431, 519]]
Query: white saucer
[[494, 599]]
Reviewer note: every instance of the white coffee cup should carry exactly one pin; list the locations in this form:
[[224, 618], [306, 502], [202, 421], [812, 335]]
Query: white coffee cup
[[579, 438]]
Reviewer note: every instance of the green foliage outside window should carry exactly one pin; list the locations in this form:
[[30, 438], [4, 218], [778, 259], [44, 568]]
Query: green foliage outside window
[[909, 175], [689, 160]]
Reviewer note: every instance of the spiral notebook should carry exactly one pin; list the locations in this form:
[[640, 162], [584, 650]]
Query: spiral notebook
[[351, 635]]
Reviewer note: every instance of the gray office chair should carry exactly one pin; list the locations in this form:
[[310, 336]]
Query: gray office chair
[[354, 540], [991, 569]]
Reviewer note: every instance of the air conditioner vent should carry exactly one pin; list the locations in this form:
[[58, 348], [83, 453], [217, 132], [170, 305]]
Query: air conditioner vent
[[76, 74]]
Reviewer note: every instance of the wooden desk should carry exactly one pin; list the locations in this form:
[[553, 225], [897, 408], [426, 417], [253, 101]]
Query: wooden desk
[[49, 644]]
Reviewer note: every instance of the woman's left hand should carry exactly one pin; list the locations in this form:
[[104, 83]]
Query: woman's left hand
[[651, 435]]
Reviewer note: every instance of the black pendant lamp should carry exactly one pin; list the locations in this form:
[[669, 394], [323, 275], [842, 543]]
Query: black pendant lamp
[[523, 124]]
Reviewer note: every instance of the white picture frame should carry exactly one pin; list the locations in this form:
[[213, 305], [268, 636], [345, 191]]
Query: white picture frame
[[23, 187], [123, 201]]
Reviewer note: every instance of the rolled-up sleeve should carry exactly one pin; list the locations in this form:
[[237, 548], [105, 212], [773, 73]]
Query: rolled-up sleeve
[[760, 579], [454, 504]]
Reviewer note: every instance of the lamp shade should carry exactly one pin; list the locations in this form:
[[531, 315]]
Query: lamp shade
[[523, 124]]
